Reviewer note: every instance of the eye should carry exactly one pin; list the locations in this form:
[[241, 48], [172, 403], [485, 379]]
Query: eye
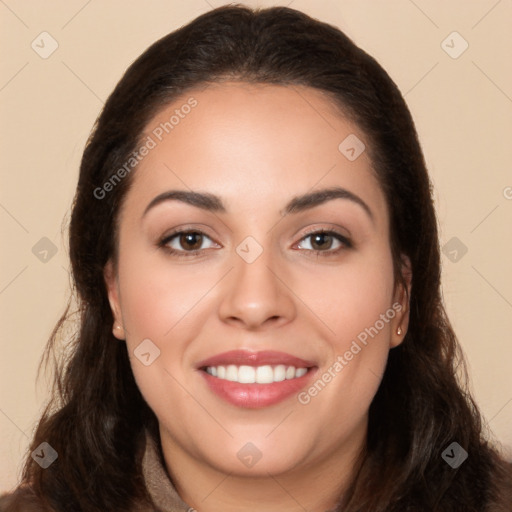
[[183, 242], [325, 243]]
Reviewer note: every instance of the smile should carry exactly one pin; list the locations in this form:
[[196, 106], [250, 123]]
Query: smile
[[256, 379], [256, 375]]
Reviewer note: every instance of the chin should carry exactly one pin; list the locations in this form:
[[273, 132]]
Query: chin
[[249, 461], [257, 455]]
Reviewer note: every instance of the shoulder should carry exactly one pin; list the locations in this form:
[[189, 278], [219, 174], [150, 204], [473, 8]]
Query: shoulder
[[23, 499]]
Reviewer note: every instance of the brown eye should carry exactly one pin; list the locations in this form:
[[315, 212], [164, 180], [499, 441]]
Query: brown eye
[[191, 241], [186, 243], [321, 241], [327, 243]]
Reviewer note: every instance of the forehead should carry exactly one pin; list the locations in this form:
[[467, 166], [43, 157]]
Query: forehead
[[254, 145]]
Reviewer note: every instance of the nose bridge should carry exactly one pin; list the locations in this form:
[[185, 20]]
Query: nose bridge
[[255, 292]]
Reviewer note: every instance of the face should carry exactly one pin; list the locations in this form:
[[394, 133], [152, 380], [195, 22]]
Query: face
[[254, 285]]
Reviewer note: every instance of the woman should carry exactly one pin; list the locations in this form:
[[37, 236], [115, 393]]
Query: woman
[[255, 253]]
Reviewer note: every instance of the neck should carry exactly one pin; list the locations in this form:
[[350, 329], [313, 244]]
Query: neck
[[316, 486]]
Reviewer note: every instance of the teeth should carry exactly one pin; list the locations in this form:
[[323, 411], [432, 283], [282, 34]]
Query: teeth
[[246, 374], [256, 374], [232, 373], [265, 374], [280, 373], [290, 372], [300, 372]]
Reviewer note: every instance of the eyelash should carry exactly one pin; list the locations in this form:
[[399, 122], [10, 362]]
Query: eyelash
[[346, 243]]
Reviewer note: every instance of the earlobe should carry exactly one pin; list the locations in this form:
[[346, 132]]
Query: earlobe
[[112, 287], [402, 297]]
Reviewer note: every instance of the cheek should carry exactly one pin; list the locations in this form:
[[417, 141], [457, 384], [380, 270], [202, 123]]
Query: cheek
[[351, 297], [354, 302], [158, 298], [161, 303], [165, 304]]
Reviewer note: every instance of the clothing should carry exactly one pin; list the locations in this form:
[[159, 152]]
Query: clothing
[[160, 488]]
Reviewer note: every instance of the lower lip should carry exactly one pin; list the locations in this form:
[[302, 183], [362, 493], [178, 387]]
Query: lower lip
[[256, 396]]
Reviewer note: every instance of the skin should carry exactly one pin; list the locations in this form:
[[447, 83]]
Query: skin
[[257, 147]]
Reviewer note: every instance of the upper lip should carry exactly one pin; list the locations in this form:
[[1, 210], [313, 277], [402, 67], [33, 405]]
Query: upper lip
[[250, 358]]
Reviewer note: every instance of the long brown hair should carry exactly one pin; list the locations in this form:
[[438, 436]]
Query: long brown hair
[[97, 419]]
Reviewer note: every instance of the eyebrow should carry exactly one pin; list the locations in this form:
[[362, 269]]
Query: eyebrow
[[213, 203]]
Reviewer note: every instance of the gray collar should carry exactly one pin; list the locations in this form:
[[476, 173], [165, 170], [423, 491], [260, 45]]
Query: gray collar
[[159, 485]]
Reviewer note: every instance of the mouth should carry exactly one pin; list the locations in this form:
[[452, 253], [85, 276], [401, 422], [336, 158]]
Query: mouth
[[256, 375], [256, 379]]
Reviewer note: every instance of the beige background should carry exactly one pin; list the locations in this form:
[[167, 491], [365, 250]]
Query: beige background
[[463, 112]]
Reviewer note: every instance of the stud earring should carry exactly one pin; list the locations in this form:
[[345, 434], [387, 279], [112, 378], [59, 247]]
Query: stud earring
[[399, 331]]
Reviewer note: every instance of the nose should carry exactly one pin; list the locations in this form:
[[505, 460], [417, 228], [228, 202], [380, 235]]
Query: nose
[[256, 296]]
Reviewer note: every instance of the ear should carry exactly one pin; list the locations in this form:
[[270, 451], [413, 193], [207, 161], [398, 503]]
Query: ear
[[111, 282], [401, 298]]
